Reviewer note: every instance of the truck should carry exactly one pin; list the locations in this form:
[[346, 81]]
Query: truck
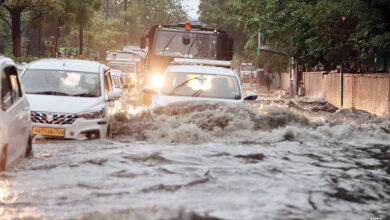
[[166, 42], [128, 62]]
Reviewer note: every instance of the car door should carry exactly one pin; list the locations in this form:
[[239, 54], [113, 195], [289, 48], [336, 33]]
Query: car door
[[16, 110]]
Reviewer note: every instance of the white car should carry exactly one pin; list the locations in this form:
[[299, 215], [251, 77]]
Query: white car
[[15, 123], [69, 98], [118, 82], [190, 82]]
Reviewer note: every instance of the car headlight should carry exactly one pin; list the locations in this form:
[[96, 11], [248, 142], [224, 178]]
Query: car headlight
[[92, 114], [157, 81]]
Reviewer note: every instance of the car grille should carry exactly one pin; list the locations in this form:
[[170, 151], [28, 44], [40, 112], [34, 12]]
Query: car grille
[[53, 118]]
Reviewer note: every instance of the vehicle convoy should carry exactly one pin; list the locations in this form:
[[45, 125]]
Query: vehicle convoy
[[166, 42], [128, 62], [70, 98], [15, 122], [198, 80]]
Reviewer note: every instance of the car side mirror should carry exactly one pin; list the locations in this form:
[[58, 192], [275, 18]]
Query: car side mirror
[[149, 89], [113, 96], [142, 43], [251, 95]]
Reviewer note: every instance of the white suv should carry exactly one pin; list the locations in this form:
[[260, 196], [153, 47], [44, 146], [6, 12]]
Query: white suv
[[189, 80], [70, 98], [15, 123]]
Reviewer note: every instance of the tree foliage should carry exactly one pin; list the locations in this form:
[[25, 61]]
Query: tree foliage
[[328, 32], [218, 14], [47, 25]]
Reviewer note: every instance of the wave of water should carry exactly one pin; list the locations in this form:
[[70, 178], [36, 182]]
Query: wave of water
[[196, 123], [271, 159]]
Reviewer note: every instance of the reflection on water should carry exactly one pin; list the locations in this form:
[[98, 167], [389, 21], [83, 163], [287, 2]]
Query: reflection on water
[[271, 160]]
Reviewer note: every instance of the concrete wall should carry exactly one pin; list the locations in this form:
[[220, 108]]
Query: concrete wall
[[285, 80], [370, 92]]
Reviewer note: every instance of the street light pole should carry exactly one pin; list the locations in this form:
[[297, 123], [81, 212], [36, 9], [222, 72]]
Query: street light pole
[[341, 85]]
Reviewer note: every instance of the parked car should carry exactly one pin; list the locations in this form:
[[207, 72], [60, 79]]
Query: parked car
[[70, 98], [15, 123], [191, 82]]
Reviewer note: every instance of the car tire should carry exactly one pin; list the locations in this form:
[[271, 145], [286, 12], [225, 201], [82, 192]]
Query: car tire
[[29, 149], [3, 158]]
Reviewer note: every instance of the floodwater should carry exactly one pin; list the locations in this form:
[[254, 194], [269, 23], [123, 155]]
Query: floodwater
[[270, 159]]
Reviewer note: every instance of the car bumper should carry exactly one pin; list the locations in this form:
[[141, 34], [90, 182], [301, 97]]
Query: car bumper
[[81, 128]]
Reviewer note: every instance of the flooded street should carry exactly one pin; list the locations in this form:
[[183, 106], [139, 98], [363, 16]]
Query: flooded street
[[271, 159]]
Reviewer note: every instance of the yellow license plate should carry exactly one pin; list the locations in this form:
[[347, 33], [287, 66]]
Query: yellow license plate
[[54, 132]]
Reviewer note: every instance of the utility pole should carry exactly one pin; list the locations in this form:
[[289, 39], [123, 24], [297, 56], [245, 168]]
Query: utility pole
[[125, 9], [341, 85]]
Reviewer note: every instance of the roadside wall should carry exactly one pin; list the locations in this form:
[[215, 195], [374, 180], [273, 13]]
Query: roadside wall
[[285, 80], [370, 92]]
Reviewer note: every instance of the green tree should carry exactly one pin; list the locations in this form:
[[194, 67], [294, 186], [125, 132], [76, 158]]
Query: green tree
[[321, 31], [218, 14], [15, 9]]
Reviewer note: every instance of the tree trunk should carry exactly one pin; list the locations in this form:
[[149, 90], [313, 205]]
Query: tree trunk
[[107, 9], [16, 31], [29, 44], [54, 54], [125, 8], [81, 43], [40, 40]]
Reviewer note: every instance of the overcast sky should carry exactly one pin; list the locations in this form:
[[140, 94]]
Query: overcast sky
[[192, 7]]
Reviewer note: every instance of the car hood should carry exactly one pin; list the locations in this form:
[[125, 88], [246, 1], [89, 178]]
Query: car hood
[[64, 104], [162, 100]]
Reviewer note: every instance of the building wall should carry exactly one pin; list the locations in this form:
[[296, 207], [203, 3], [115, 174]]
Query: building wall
[[370, 92]]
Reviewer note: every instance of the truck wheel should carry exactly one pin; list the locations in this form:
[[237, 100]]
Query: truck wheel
[[29, 149], [3, 158]]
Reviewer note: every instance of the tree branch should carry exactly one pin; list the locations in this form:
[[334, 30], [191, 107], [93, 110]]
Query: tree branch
[[6, 21]]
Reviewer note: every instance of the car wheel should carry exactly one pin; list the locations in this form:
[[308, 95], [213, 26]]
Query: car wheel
[[29, 149], [3, 158]]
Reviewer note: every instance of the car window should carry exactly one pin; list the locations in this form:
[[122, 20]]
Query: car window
[[15, 84], [201, 85], [108, 82], [10, 88], [116, 81], [61, 83]]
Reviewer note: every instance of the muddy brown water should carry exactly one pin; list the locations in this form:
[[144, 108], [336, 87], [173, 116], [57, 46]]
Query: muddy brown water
[[271, 159]]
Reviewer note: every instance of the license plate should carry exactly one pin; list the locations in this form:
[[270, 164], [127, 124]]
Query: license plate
[[54, 132]]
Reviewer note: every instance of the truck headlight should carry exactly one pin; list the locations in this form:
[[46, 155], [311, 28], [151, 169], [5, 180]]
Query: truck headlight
[[92, 114]]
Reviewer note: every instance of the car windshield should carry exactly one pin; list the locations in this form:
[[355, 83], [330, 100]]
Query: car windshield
[[201, 85], [197, 45], [124, 67], [58, 82]]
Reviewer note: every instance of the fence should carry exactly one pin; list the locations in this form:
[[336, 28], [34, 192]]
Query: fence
[[370, 92]]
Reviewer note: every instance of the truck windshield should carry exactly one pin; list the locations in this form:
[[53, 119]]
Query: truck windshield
[[200, 46], [124, 67]]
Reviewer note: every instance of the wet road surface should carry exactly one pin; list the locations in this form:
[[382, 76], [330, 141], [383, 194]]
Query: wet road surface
[[273, 159]]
